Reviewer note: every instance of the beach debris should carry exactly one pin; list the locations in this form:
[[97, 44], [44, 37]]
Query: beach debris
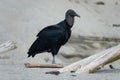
[[111, 66], [100, 3], [7, 46], [116, 25], [53, 72], [41, 65], [95, 62]]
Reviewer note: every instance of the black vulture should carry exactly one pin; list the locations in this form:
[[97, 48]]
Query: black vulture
[[52, 37]]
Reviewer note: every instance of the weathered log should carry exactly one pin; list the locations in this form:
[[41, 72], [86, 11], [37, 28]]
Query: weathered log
[[93, 63], [106, 57], [9, 45], [39, 65]]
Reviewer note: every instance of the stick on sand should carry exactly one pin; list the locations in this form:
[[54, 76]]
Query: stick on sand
[[39, 65]]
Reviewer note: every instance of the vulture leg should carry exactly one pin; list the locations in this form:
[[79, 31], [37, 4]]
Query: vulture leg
[[54, 52], [53, 61]]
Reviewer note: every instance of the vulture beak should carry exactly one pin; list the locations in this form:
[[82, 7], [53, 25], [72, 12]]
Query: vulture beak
[[77, 15]]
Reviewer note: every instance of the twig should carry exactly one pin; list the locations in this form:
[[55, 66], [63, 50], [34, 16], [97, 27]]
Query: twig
[[37, 65]]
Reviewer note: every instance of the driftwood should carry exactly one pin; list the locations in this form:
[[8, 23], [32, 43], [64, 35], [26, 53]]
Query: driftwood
[[36, 65], [93, 63], [9, 45]]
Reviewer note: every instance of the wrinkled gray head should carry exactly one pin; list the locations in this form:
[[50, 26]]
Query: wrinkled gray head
[[69, 17], [71, 13]]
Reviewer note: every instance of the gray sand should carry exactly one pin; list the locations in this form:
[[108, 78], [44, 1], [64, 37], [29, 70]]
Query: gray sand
[[12, 71]]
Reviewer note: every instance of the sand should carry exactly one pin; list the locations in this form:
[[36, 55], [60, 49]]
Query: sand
[[21, 20], [15, 71]]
